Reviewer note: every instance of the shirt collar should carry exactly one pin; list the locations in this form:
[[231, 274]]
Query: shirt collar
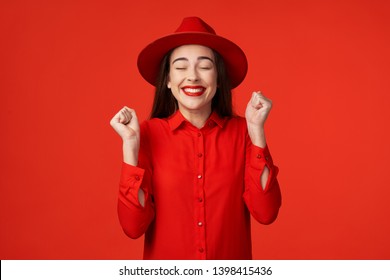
[[176, 119], [214, 117]]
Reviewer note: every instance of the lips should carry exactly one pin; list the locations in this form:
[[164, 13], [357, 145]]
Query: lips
[[193, 90]]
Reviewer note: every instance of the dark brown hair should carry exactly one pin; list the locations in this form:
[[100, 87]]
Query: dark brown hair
[[165, 104]]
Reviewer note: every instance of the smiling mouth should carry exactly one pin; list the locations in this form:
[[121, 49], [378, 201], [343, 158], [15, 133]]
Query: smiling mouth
[[194, 91]]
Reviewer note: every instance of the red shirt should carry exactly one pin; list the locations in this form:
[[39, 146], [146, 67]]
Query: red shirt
[[201, 186]]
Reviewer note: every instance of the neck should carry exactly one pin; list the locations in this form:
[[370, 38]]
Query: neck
[[197, 118]]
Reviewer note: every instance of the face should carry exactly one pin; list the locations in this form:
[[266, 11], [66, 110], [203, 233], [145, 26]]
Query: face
[[193, 78]]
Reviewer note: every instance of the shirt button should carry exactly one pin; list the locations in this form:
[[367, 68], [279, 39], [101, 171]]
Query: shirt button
[[137, 177], [199, 134], [200, 224], [199, 176], [200, 199], [201, 250], [200, 155], [258, 156]]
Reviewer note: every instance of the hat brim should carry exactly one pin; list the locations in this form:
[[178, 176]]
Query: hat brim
[[234, 58]]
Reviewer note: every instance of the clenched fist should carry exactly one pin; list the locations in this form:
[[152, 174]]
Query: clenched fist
[[126, 124], [256, 114]]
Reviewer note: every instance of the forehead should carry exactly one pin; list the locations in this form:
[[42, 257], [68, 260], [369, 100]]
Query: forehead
[[192, 51]]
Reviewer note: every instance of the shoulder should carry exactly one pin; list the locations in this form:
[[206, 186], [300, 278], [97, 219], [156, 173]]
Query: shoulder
[[155, 124], [235, 121]]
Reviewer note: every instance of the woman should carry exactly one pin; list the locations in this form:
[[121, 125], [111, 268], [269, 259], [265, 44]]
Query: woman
[[193, 173]]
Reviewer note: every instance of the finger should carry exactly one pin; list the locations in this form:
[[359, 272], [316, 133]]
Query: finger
[[256, 100], [259, 96], [119, 117], [128, 111], [134, 115], [132, 118], [135, 122], [115, 119], [264, 101], [122, 117], [127, 116]]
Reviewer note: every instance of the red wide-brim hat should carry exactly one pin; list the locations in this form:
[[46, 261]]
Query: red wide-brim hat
[[193, 31]]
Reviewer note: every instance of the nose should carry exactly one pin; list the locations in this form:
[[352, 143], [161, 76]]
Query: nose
[[192, 75]]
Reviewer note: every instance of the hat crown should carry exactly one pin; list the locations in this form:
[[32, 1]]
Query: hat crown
[[194, 24], [193, 31]]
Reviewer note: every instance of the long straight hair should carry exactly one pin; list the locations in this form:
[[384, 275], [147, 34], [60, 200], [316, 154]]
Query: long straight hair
[[165, 104]]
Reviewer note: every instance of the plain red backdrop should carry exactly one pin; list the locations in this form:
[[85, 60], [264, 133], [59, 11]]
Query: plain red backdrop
[[68, 66]]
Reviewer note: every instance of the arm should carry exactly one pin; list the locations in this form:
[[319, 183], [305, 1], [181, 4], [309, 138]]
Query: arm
[[134, 216], [262, 193], [263, 199], [135, 206], [256, 114]]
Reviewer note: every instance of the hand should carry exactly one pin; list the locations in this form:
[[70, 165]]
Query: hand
[[258, 109], [125, 123], [256, 114]]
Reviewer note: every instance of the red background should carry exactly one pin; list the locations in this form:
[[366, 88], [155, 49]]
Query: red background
[[68, 67]]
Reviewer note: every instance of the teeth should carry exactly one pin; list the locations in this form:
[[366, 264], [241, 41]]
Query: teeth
[[193, 90]]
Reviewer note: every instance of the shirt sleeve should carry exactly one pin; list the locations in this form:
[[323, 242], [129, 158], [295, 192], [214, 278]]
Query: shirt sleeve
[[133, 217], [264, 203]]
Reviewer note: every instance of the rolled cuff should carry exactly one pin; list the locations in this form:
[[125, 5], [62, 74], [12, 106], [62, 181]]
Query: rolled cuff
[[260, 157], [130, 183]]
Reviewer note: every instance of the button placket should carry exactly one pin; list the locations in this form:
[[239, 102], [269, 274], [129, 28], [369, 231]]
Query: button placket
[[199, 196]]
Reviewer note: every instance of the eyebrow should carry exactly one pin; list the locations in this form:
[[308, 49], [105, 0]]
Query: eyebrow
[[186, 59]]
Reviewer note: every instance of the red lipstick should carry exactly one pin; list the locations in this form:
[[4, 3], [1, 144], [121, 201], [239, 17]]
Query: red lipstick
[[193, 90]]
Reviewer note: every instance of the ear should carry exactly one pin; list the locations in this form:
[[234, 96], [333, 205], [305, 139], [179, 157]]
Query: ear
[[169, 84]]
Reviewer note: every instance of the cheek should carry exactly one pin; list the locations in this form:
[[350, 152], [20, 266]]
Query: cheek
[[173, 80], [213, 94], [175, 92], [212, 79]]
